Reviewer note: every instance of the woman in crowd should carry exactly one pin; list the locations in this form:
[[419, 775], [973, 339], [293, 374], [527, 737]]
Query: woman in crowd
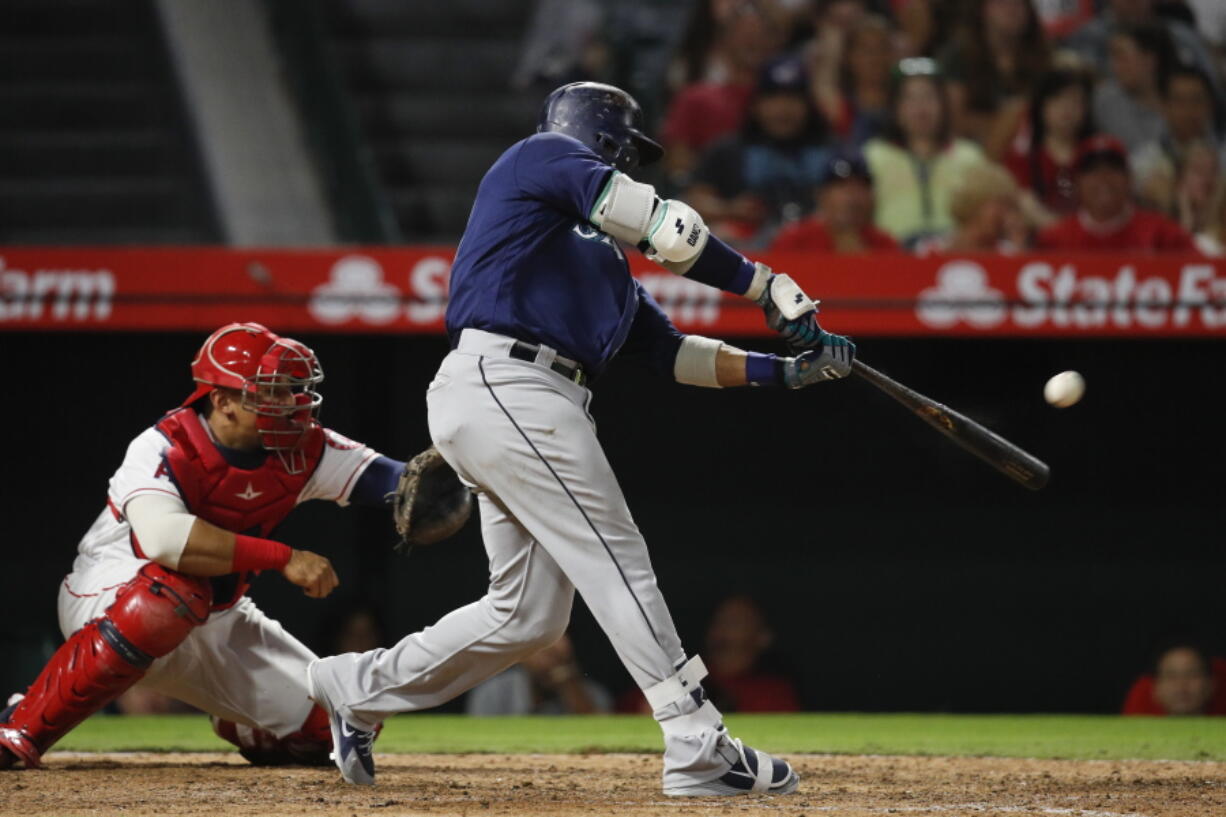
[[1212, 239], [728, 45], [1129, 105], [986, 206], [851, 79], [1041, 157], [918, 160], [992, 63]]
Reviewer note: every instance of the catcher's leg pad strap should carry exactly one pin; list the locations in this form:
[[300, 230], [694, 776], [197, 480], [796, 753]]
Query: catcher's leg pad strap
[[678, 686], [150, 616]]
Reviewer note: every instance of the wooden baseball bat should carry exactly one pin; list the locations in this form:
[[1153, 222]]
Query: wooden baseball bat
[[996, 451]]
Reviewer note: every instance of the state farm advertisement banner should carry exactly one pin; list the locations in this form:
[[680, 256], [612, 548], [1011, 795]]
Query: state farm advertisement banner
[[404, 290]]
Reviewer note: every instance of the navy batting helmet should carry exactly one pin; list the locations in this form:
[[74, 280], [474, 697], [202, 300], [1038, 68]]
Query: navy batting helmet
[[605, 118]]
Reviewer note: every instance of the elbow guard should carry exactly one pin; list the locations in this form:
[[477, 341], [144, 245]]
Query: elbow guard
[[696, 362], [677, 233], [624, 208], [161, 525]]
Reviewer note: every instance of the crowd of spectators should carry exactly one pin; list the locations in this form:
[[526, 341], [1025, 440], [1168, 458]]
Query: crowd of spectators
[[952, 125]]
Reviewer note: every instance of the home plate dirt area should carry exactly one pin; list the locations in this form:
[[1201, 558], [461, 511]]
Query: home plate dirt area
[[624, 785]]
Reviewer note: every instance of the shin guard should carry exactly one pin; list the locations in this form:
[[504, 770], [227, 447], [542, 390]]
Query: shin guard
[[151, 615], [309, 746]]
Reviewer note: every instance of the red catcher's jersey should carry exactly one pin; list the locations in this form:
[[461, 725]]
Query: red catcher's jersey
[[250, 501]]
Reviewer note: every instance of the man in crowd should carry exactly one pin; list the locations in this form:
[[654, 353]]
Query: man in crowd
[[843, 221], [1107, 218], [1185, 680], [1187, 105]]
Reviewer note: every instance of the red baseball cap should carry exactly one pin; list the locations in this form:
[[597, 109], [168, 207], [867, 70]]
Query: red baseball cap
[[1101, 148]]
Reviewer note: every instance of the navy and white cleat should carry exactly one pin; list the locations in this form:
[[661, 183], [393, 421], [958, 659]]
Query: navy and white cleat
[[751, 772], [352, 748]]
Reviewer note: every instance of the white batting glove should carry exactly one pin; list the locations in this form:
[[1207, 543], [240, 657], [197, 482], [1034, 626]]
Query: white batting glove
[[676, 233]]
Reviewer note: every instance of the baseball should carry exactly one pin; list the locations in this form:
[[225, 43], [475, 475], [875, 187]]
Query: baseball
[[1064, 389]]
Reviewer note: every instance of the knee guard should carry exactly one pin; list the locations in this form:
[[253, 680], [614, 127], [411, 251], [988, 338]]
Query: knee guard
[[151, 615], [309, 746]]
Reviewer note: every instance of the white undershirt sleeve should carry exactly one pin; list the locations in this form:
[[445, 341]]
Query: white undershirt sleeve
[[161, 525]]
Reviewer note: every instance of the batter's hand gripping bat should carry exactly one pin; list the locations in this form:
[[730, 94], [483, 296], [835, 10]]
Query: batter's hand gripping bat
[[996, 451]]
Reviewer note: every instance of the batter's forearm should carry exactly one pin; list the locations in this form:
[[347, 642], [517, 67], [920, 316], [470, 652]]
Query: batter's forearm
[[714, 364], [730, 367]]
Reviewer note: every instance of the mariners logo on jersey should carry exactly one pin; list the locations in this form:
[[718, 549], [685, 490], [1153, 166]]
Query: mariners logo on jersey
[[589, 233]]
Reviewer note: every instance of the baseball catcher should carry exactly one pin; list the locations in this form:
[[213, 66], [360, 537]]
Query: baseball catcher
[[157, 595]]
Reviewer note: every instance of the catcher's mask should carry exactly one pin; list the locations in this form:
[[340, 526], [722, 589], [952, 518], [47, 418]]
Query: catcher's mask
[[275, 377]]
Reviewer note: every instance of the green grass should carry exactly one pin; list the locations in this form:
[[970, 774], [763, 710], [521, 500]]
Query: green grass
[[1046, 736]]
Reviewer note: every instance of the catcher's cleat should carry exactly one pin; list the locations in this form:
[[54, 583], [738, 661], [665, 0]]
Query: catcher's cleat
[[15, 746], [749, 772], [351, 747]]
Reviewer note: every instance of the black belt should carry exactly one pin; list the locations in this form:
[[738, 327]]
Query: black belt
[[571, 371]]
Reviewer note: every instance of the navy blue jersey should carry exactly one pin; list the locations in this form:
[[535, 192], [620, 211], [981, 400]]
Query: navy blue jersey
[[531, 265]]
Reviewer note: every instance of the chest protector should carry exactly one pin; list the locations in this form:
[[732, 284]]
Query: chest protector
[[248, 501]]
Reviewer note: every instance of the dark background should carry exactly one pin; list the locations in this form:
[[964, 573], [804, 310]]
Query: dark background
[[898, 572]]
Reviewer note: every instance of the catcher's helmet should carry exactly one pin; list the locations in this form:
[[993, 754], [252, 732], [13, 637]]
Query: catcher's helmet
[[276, 378], [605, 118]]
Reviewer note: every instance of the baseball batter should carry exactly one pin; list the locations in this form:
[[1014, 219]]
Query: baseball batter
[[541, 300], [157, 594]]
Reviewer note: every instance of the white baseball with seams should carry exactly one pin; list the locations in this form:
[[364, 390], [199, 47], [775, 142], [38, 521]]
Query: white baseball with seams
[[1064, 389]]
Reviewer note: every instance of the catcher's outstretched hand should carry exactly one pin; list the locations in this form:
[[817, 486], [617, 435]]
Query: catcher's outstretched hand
[[430, 502], [312, 572]]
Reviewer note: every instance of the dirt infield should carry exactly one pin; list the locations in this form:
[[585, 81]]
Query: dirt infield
[[622, 785]]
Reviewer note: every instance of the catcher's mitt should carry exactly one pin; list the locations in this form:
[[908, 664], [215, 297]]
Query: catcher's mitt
[[430, 502]]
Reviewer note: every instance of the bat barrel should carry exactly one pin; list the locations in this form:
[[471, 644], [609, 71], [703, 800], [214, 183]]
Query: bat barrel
[[1014, 462]]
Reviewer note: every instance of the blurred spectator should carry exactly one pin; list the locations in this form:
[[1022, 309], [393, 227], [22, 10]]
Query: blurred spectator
[[1212, 239], [926, 24], [1041, 157], [1185, 680], [992, 65], [1195, 188], [1107, 218], [738, 38], [1129, 105], [562, 45], [826, 23], [843, 221], [1187, 103], [1060, 17], [986, 207], [1093, 40], [548, 682], [737, 657], [1211, 23], [360, 629], [918, 160], [766, 173], [851, 78]]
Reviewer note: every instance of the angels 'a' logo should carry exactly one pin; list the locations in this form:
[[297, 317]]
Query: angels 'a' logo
[[249, 494]]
